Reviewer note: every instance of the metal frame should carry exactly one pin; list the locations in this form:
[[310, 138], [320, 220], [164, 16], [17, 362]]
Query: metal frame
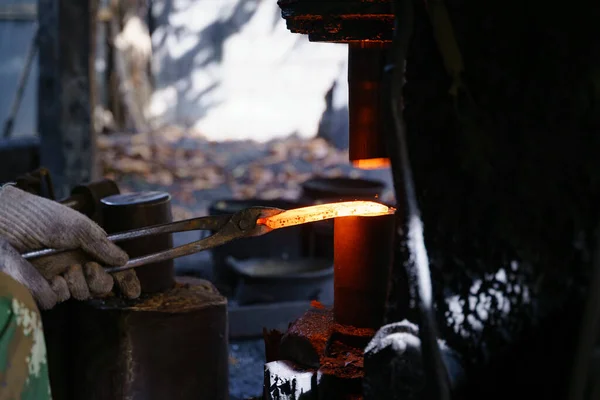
[[64, 90]]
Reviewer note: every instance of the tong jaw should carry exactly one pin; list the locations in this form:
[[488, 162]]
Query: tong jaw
[[244, 223]]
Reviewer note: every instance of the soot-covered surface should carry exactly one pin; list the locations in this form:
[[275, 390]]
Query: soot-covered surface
[[509, 185]]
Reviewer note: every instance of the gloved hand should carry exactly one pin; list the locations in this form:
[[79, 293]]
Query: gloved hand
[[29, 222]]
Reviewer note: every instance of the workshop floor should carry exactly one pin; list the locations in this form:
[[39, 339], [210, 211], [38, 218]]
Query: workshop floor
[[197, 172]]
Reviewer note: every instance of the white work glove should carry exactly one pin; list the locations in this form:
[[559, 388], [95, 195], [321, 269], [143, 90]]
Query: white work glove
[[29, 222]]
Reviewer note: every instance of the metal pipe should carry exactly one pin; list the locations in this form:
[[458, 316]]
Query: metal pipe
[[363, 248], [366, 62]]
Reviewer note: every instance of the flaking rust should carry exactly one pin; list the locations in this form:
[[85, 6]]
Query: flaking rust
[[181, 298], [315, 342], [339, 21]]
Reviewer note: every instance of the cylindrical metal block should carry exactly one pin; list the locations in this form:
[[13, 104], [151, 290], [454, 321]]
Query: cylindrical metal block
[[363, 252], [124, 212], [366, 62], [87, 198], [320, 190], [170, 345]]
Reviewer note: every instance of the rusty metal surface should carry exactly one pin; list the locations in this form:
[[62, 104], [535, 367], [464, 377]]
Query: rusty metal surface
[[170, 345], [339, 21], [366, 62], [306, 339], [315, 342]]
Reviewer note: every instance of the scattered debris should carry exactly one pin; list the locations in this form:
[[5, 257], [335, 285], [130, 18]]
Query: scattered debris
[[317, 304], [196, 171]]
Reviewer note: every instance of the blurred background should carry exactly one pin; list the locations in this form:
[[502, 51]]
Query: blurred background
[[212, 101], [205, 99]]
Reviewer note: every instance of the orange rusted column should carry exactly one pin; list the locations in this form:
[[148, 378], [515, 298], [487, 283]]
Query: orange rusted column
[[363, 251], [367, 140]]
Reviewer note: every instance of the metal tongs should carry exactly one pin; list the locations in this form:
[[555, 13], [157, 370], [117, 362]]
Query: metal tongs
[[225, 227]]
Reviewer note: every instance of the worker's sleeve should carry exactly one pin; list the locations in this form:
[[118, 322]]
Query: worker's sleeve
[[23, 366]]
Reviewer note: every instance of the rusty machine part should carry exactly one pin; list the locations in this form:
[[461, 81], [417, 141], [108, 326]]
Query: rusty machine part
[[125, 212], [339, 21], [87, 198], [316, 347], [366, 62], [167, 345], [363, 250], [367, 27]]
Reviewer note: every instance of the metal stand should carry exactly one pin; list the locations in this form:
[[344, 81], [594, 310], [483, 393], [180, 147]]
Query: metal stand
[[64, 90]]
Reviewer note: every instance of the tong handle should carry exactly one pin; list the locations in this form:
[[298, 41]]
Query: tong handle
[[201, 223], [239, 225]]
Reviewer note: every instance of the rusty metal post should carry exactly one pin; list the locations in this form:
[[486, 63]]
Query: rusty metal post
[[170, 345], [64, 91], [363, 248], [366, 60]]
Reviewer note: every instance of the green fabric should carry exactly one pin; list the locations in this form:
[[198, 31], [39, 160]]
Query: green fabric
[[23, 365]]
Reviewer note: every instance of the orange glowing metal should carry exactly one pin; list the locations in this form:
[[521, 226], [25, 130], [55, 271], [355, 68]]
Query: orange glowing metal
[[372, 163], [325, 211]]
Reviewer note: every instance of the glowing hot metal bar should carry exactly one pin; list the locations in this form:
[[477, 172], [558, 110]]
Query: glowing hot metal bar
[[325, 211]]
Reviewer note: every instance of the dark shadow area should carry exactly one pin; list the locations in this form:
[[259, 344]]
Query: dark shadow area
[[509, 187]]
